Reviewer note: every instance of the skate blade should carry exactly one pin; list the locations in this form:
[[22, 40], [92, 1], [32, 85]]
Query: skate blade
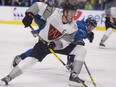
[[101, 47], [75, 84]]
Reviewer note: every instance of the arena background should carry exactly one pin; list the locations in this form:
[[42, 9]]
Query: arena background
[[14, 15]]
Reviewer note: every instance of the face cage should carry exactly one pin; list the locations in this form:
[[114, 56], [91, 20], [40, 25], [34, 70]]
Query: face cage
[[92, 25]]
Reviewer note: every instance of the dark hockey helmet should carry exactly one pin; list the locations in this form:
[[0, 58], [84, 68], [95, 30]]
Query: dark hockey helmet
[[69, 5], [91, 21]]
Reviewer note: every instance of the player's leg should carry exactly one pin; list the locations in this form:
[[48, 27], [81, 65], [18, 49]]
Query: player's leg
[[70, 59], [18, 70], [105, 36], [18, 58], [108, 32], [80, 53], [38, 53]]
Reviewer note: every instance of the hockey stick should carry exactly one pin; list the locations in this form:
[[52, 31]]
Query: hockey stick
[[59, 59], [57, 56], [90, 75], [34, 30]]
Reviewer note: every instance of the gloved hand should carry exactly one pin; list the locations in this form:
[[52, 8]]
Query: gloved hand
[[90, 37], [51, 45], [27, 20], [80, 42]]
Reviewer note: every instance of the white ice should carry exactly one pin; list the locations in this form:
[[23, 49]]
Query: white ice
[[15, 39]]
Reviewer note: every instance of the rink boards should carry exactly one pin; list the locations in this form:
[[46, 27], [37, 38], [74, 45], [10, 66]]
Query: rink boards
[[14, 15]]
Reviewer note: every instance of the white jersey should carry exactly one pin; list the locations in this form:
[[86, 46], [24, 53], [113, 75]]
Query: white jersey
[[55, 30], [111, 13]]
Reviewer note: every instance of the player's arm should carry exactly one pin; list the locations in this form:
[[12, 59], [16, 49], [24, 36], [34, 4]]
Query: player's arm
[[79, 36], [37, 8]]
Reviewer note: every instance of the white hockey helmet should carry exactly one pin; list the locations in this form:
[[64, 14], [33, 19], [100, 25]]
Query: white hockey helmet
[[113, 12]]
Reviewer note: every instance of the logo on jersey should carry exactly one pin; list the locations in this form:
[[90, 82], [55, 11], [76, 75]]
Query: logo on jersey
[[53, 33]]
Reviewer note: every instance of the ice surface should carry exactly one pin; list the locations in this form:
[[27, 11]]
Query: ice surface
[[15, 39]]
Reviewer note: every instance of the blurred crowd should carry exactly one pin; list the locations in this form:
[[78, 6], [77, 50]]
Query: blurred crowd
[[81, 4]]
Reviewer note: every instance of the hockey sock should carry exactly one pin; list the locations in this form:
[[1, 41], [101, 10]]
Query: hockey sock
[[77, 66], [26, 54], [106, 35]]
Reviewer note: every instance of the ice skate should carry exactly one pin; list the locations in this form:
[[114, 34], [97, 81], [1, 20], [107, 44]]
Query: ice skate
[[4, 81], [16, 60], [101, 45], [75, 81], [74, 77]]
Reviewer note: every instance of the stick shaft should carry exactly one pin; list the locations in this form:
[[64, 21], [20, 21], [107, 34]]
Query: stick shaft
[[90, 75]]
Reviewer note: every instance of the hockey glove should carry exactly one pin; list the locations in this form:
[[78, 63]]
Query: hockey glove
[[90, 37], [27, 20], [51, 45], [80, 42]]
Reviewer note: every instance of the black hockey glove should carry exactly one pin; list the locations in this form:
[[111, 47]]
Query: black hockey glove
[[27, 20], [90, 37], [51, 45], [79, 42]]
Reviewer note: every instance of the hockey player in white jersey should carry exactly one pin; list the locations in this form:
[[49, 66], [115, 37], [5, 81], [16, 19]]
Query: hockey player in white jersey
[[58, 33], [110, 24], [84, 32]]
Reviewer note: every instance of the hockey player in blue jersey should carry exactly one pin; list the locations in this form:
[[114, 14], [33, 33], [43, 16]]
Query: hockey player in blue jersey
[[84, 31]]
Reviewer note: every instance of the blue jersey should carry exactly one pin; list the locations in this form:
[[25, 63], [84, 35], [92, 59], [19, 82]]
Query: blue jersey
[[82, 31]]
